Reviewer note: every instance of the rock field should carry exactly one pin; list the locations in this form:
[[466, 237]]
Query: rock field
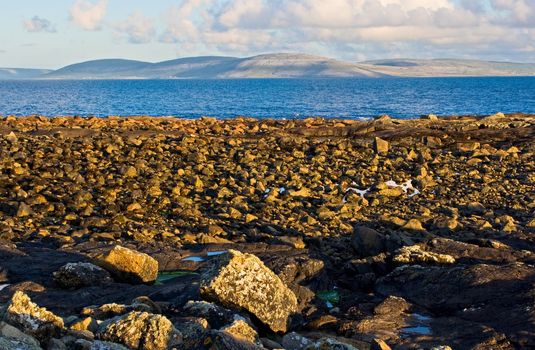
[[164, 233]]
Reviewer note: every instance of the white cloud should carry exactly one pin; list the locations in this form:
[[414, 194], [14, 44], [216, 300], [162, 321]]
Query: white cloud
[[354, 28], [37, 24], [89, 14], [137, 28]]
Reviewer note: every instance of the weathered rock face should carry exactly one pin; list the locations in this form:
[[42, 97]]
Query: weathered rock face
[[32, 319], [129, 266], [243, 281], [77, 275], [142, 331]]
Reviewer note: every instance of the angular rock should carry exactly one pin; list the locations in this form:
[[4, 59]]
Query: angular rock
[[243, 281], [129, 266], [32, 319], [380, 146], [141, 331], [77, 275]]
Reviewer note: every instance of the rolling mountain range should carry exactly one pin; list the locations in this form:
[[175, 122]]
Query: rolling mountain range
[[280, 65]]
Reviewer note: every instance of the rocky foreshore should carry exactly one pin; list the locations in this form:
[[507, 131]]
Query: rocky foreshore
[[164, 233]]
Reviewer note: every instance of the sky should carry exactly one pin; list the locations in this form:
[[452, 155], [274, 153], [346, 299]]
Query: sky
[[55, 33]]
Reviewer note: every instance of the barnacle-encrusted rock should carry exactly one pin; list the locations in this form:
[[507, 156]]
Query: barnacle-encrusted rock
[[415, 254], [142, 331], [243, 281], [32, 319], [77, 275]]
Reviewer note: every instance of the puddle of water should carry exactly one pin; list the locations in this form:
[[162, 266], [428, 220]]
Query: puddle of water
[[216, 252], [329, 296], [421, 317], [2, 286], [164, 277], [282, 190], [416, 330], [329, 304], [194, 259]]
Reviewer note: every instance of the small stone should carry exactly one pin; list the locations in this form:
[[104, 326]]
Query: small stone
[[24, 210], [413, 225], [11, 137], [128, 265]]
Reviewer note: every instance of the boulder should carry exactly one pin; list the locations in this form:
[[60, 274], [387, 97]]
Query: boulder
[[32, 319], [77, 275], [242, 281], [128, 265], [141, 331], [367, 241]]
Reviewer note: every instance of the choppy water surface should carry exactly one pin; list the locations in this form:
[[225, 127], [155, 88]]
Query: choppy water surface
[[275, 98]]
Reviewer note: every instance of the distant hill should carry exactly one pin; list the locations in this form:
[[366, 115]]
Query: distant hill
[[277, 65], [449, 67], [216, 67], [21, 73]]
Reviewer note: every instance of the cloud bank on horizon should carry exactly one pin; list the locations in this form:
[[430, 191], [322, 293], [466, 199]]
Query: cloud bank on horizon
[[347, 29]]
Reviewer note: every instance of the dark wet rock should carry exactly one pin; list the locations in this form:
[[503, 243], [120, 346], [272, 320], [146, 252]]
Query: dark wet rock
[[243, 281], [497, 296], [76, 275]]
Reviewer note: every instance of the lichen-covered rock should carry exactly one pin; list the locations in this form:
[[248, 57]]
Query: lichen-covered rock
[[77, 275], [141, 331], [243, 281], [415, 254], [32, 319], [128, 265]]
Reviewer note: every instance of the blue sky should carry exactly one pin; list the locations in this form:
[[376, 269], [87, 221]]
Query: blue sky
[[54, 33]]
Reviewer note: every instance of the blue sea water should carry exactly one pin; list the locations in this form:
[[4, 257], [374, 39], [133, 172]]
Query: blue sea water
[[274, 98]]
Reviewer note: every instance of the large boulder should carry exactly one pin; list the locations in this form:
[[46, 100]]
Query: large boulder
[[128, 265], [242, 281], [32, 319], [77, 275], [141, 331]]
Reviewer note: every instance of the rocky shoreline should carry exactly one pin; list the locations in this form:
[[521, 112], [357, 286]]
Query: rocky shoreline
[[156, 233]]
